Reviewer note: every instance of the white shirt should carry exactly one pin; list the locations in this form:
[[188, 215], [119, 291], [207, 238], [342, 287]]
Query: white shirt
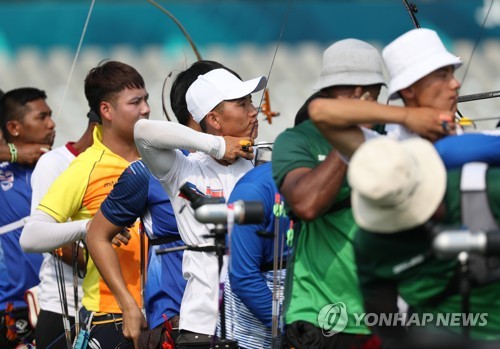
[[47, 169], [156, 141]]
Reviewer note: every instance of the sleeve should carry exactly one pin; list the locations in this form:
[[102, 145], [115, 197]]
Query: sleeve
[[158, 140], [64, 198], [42, 233], [47, 169], [289, 153], [128, 199], [459, 150], [247, 255]]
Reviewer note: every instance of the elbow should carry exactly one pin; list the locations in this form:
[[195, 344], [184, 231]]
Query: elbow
[[140, 130], [315, 111], [27, 240], [305, 211]]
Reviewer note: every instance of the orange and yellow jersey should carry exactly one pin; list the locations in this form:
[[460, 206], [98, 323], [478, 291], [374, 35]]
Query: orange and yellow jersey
[[77, 194]]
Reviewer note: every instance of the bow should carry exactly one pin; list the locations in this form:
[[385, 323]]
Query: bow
[[412, 9], [180, 26], [77, 54], [266, 107], [464, 121], [188, 38]]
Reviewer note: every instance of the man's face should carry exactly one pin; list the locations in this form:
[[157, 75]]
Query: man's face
[[438, 89], [127, 107], [238, 118], [37, 125]]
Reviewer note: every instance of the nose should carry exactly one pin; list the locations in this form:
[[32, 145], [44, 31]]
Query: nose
[[145, 110], [455, 84], [253, 111], [51, 124]]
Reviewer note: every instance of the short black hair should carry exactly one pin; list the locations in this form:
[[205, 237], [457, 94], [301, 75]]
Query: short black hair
[[108, 79], [12, 105], [182, 82]]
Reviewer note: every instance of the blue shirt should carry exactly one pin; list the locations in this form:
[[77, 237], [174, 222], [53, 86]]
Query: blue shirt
[[18, 270], [138, 194], [458, 150], [250, 251]]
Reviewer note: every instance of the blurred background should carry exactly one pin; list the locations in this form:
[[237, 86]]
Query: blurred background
[[39, 40]]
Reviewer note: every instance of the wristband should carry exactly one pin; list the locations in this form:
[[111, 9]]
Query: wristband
[[13, 152]]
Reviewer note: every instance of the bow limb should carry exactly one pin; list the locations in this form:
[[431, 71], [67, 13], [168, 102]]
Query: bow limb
[[77, 54], [180, 26], [191, 43], [265, 105], [163, 89], [412, 9]]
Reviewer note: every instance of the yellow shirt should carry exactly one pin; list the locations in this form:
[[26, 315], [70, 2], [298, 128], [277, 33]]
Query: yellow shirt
[[77, 194]]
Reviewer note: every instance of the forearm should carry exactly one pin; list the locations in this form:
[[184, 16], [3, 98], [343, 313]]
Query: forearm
[[162, 135], [311, 192], [345, 113], [42, 233], [67, 256], [5, 154]]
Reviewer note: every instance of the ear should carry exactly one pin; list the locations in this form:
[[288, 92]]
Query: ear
[[407, 93], [13, 128], [213, 120], [105, 110], [357, 92]]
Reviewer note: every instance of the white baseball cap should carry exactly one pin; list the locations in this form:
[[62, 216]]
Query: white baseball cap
[[412, 56], [218, 85], [395, 185]]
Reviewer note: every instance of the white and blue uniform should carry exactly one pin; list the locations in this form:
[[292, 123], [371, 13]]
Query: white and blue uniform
[[249, 294], [138, 194], [18, 270]]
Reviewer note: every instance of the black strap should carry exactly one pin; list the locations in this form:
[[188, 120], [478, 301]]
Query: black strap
[[165, 240], [270, 266]]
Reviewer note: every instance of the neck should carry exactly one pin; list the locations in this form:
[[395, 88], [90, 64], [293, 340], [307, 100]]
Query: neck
[[86, 140], [125, 149]]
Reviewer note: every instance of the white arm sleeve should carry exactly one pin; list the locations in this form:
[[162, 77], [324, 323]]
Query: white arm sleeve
[[157, 141], [42, 233]]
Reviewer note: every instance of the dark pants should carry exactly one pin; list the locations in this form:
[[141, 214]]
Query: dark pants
[[106, 331], [15, 328], [303, 335], [49, 332], [109, 335]]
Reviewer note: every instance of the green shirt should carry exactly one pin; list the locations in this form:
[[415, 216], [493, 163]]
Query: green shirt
[[322, 270], [405, 259]]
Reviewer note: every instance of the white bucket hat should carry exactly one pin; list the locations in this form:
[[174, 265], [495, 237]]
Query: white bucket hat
[[412, 56], [395, 185], [216, 86], [350, 62]]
